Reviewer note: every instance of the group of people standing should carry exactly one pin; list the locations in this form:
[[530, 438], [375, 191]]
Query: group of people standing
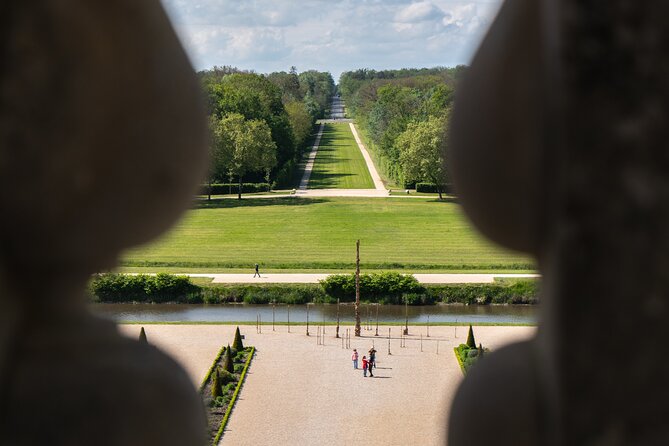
[[367, 363]]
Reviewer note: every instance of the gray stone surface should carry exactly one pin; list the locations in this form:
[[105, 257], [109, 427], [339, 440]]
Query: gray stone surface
[[564, 109], [102, 143]]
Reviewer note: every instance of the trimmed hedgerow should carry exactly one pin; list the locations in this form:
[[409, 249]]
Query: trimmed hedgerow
[[212, 368], [160, 288], [220, 388], [233, 400], [293, 294], [386, 287], [232, 188], [518, 292], [468, 356], [432, 188]]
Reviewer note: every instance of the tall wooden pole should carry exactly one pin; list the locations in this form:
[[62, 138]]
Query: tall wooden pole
[[357, 288], [406, 312], [307, 318], [337, 334]]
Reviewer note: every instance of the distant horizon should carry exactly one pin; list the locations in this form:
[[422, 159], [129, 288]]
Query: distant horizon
[[336, 79], [269, 36]]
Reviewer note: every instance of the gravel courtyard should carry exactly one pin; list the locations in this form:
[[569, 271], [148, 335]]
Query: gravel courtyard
[[300, 393]]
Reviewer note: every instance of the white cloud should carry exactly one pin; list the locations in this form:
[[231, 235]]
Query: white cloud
[[419, 12], [269, 35]]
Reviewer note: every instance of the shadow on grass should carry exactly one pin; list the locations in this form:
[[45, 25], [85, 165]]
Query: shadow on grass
[[444, 200], [320, 180], [222, 203]]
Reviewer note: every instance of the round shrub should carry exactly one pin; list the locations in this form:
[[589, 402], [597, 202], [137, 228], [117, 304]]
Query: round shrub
[[226, 377]]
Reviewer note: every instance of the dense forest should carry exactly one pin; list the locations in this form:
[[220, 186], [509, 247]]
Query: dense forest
[[403, 113], [261, 124]]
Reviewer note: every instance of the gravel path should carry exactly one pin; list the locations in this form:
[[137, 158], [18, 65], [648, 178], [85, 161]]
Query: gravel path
[[301, 393], [310, 162], [314, 278], [378, 184]]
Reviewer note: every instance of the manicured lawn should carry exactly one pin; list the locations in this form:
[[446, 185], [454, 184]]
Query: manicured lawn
[[320, 233], [339, 163]]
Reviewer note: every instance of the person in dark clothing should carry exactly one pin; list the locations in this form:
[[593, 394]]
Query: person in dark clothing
[[257, 272], [372, 359]]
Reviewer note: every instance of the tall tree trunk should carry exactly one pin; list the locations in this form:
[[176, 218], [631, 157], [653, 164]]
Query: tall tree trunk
[[239, 191], [209, 194], [357, 288]]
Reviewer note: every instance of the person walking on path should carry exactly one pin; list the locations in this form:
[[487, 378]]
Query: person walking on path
[[354, 357], [364, 366], [257, 272]]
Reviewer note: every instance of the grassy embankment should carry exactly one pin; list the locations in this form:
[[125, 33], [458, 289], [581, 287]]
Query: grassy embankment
[[339, 163], [301, 234]]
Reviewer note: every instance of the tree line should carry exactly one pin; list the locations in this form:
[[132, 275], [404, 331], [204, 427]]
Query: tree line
[[261, 124], [404, 114]]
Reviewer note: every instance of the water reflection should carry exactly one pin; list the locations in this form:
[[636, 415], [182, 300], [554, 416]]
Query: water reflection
[[513, 314]]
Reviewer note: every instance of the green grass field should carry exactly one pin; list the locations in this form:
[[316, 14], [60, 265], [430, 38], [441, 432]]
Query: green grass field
[[302, 234], [339, 163]]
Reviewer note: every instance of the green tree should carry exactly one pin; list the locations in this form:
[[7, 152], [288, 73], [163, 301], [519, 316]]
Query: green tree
[[215, 384], [471, 342], [228, 365], [255, 98], [245, 145], [301, 121], [220, 152], [289, 84], [237, 343], [421, 146]]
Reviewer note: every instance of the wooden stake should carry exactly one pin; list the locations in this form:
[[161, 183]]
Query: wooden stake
[[357, 288]]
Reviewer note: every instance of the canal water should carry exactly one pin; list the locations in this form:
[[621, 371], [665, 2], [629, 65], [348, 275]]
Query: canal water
[[501, 314]]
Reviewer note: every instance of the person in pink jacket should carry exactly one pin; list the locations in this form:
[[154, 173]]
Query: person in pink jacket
[[354, 358]]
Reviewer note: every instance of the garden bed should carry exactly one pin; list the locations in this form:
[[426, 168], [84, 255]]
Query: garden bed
[[468, 354], [220, 407]]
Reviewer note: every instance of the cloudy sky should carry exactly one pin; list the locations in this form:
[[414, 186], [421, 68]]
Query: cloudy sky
[[334, 36]]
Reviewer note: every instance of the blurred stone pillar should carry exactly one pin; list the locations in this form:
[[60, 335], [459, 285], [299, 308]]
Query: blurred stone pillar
[[102, 144], [559, 149]]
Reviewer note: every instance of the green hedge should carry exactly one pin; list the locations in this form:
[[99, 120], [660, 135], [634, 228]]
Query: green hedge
[[238, 388], [386, 288], [160, 288], [264, 294], [232, 188], [518, 292], [467, 356], [432, 188]]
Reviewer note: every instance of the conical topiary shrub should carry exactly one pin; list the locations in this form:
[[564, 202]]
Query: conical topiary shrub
[[227, 361], [215, 384], [142, 336], [237, 343], [471, 342]]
